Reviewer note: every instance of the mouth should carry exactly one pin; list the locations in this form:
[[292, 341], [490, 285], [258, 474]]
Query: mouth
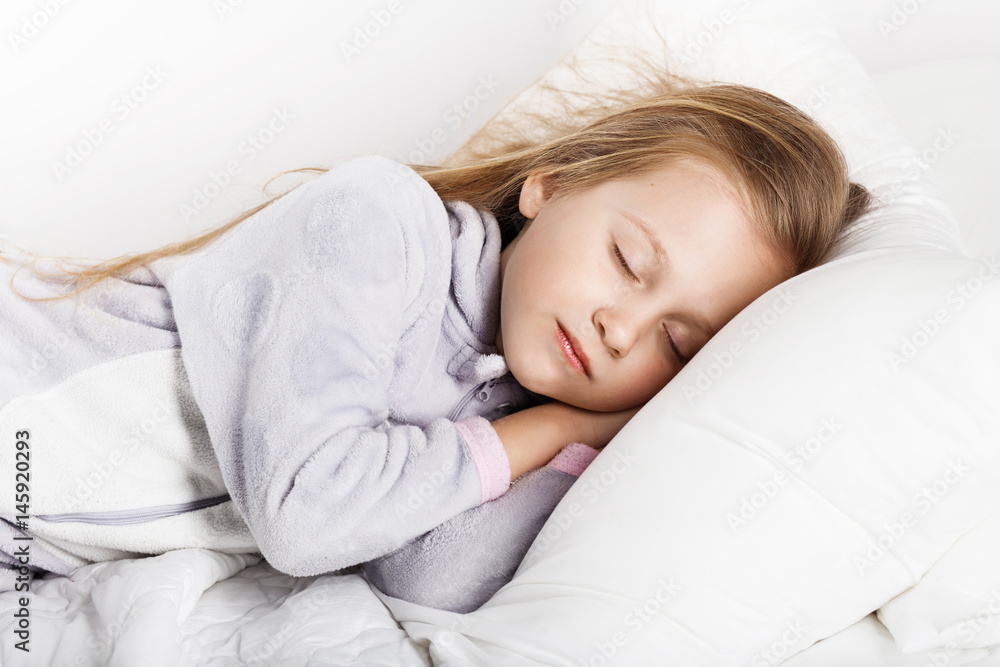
[[572, 351]]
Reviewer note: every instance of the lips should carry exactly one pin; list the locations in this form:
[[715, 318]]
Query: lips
[[572, 350]]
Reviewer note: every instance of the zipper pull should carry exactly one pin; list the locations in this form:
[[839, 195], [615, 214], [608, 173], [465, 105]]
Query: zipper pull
[[486, 389]]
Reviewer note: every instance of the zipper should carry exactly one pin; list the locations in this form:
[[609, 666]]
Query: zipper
[[124, 517], [462, 403], [482, 391]]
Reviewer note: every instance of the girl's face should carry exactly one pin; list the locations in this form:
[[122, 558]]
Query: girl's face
[[565, 275]]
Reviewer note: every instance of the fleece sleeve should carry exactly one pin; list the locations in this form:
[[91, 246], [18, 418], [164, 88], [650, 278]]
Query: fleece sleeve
[[281, 324], [460, 564]]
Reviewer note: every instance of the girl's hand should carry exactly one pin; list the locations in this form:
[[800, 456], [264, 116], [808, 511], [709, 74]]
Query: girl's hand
[[531, 437]]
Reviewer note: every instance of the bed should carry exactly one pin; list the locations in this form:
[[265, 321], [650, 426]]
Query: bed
[[836, 565]]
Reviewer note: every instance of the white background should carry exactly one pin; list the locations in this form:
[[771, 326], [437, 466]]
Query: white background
[[228, 65]]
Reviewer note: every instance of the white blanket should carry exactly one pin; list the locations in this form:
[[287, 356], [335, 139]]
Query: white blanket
[[195, 606], [198, 607]]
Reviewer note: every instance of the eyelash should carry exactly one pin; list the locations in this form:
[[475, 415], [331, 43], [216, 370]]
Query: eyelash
[[624, 264], [673, 346], [631, 275]]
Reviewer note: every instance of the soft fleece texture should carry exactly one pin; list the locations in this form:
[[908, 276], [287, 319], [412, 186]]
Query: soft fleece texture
[[459, 565], [337, 353]]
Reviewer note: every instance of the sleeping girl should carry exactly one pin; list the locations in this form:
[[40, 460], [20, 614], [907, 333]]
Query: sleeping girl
[[401, 366]]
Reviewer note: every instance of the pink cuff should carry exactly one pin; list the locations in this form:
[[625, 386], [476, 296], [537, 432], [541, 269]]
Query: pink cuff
[[573, 458], [488, 453]]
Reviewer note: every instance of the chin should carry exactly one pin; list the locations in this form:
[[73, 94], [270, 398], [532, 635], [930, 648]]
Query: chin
[[527, 376], [528, 380]]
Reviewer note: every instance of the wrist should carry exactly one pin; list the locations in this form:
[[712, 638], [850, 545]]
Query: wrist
[[531, 437]]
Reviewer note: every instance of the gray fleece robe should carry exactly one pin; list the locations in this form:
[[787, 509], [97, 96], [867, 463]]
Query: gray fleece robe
[[316, 385]]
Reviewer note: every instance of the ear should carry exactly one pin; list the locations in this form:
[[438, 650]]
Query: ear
[[533, 195]]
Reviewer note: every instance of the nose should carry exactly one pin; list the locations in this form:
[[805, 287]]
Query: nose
[[618, 329]]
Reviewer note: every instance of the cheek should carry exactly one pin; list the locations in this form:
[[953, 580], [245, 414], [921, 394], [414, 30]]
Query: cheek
[[561, 253], [654, 382], [556, 285], [638, 385]]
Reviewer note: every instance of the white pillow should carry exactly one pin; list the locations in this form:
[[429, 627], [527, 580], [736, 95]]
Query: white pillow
[[956, 605], [770, 495]]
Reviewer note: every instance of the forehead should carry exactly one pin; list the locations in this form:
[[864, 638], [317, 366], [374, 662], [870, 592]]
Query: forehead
[[679, 194], [683, 176], [686, 211]]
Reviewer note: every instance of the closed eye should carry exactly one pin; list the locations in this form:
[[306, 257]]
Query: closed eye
[[623, 263], [673, 346]]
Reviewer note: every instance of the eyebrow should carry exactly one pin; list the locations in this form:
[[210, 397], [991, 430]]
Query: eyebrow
[[646, 230]]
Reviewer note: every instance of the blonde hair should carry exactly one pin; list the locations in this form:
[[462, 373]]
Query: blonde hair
[[788, 170]]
